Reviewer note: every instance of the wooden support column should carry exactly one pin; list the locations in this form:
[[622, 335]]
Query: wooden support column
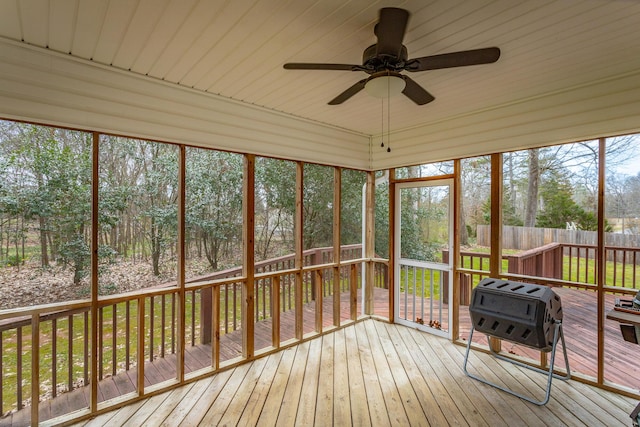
[[370, 242], [248, 288], [93, 392], [454, 301], [298, 263], [601, 260], [337, 208], [495, 260], [182, 172], [392, 244]]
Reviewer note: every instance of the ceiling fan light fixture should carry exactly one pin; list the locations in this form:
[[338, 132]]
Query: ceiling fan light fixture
[[384, 86]]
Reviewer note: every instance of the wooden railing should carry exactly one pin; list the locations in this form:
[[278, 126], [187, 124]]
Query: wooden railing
[[47, 348], [563, 261]]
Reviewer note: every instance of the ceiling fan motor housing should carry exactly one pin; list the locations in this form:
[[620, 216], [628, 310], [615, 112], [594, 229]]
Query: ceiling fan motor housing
[[374, 62]]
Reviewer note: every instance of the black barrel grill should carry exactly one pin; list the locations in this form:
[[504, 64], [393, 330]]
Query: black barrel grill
[[523, 313]]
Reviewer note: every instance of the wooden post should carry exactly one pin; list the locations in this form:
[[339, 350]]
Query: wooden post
[[369, 242], [495, 259], [248, 288], [392, 244], [337, 208], [298, 225], [601, 260], [454, 301], [181, 267], [93, 395]]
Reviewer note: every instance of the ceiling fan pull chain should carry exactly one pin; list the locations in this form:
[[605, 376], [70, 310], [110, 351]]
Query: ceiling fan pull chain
[[388, 117], [382, 122]]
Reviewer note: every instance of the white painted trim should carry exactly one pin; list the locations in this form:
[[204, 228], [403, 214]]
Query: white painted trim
[[51, 88], [604, 108]]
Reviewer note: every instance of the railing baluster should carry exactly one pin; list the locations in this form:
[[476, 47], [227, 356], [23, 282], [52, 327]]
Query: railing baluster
[[235, 308], [262, 298], [586, 266], [100, 342], [140, 344], [215, 327], [289, 294], [151, 328], [19, 366], [624, 268], [422, 299], [35, 368], [193, 315], [353, 292], [1, 371], [633, 282], [256, 287], [415, 285], [193, 318], [432, 290], [54, 356], [615, 266], [275, 311], [406, 292], [127, 335], [440, 298], [162, 326], [86, 348], [114, 339], [570, 262], [173, 323], [226, 308], [578, 266], [70, 358]]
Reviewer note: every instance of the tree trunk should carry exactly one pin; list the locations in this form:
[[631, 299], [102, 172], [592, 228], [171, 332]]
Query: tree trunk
[[155, 248], [464, 236], [44, 253], [532, 190]]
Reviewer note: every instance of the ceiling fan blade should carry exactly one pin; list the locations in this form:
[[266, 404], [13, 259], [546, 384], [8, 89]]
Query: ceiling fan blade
[[455, 59], [312, 66], [390, 31], [348, 93], [415, 92]]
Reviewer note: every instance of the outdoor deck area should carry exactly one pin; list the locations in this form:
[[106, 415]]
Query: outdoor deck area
[[377, 374], [431, 366]]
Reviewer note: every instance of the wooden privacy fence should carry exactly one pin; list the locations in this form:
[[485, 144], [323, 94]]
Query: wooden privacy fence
[[525, 238]]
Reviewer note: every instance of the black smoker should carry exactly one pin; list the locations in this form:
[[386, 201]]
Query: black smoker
[[523, 313]]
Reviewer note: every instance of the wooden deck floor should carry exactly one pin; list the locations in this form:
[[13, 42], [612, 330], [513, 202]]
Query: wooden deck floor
[[377, 374], [580, 319]]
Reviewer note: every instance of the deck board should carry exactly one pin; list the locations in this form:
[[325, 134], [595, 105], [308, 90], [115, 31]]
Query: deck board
[[259, 388]]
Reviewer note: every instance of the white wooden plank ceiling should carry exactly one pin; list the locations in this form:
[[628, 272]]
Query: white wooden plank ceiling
[[237, 48]]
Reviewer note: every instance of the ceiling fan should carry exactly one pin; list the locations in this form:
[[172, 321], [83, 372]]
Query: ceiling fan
[[388, 57]]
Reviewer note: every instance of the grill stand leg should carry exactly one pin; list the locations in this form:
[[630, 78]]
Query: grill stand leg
[[557, 335]]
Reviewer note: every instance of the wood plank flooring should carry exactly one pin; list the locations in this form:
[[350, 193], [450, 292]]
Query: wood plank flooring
[[373, 374]]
